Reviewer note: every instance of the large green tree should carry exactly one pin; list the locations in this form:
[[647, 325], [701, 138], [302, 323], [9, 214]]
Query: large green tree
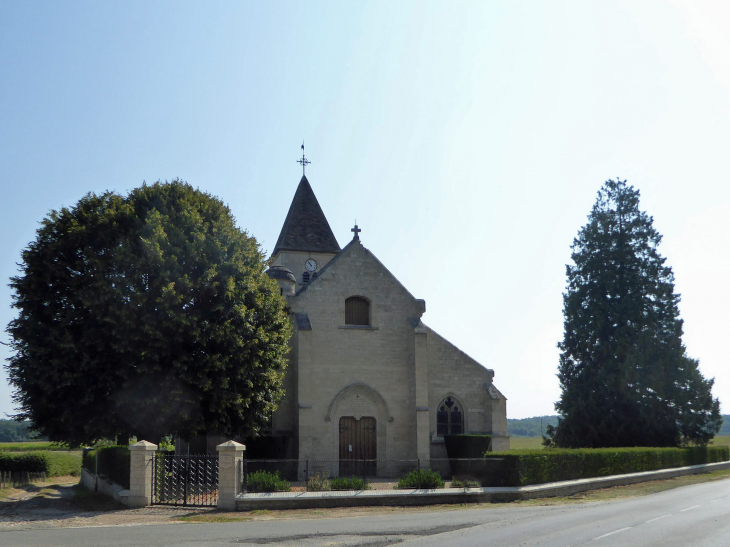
[[146, 314], [624, 374]]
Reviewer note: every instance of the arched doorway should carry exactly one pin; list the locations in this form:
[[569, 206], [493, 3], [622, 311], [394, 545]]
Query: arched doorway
[[358, 446]]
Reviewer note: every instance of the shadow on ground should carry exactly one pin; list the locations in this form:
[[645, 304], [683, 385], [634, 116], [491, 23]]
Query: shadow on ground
[[53, 502]]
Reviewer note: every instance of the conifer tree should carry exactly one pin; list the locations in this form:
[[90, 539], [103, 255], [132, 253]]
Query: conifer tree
[[147, 314], [624, 374]]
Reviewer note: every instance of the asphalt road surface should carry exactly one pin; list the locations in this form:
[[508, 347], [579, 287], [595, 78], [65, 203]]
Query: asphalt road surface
[[696, 516]]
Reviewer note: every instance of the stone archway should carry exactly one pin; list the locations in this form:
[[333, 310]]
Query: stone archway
[[358, 401]]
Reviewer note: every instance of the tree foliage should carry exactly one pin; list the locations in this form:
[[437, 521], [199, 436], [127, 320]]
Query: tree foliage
[[624, 374], [145, 314]]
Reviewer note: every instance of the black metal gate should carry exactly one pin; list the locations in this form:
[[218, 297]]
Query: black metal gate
[[185, 480]]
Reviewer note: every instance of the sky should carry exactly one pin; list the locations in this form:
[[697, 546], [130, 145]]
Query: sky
[[467, 139]]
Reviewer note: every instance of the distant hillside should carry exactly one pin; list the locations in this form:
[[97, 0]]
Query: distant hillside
[[15, 432], [725, 429], [530, 427]]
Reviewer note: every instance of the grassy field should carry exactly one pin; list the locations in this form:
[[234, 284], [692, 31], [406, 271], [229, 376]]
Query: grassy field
[[32, 446], [522, 443], [721, 440]]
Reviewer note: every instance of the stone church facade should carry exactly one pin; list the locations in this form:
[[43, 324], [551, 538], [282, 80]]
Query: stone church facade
[[366, 377]]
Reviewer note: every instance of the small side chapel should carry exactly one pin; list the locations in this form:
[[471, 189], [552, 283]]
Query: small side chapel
[[367, 379]]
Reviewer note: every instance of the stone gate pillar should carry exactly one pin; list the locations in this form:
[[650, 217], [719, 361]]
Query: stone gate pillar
[[230, 455], [140, 473]]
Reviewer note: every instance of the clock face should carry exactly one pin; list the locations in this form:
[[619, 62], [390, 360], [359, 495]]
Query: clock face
[[311, 265]]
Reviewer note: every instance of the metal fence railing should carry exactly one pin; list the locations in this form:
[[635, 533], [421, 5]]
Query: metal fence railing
[[277, 475]]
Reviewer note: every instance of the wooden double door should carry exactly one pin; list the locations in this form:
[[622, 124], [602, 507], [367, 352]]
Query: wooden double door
[[358, 447]]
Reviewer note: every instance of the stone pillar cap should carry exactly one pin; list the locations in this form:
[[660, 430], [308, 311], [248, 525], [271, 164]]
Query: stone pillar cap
[[143, 445], [230, 445]]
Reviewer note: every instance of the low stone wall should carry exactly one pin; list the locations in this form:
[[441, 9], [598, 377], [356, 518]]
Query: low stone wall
[[302, 500], [103, 486]]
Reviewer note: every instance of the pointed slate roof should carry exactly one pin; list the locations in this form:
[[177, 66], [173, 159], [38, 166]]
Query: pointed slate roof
[[305, 227]]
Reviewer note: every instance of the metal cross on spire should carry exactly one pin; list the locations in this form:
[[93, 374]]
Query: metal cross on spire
[[356, 231], [304, 161]]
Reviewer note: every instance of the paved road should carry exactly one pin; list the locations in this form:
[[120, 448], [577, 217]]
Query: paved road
[[696, 515]]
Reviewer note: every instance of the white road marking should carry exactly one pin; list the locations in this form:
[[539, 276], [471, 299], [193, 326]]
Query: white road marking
[[614, 532], [662, 517], [689, 508]]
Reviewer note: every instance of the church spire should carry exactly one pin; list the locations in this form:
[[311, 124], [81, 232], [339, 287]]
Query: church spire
[[306, 228]]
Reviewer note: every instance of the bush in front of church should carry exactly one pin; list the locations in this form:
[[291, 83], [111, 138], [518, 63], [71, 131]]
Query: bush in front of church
[[421, 478], [265, 481], [319, 482], [349, 483]]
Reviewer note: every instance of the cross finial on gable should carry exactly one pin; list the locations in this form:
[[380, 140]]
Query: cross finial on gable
[[356, 231]]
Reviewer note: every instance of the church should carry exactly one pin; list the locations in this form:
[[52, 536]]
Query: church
[[367, 379]]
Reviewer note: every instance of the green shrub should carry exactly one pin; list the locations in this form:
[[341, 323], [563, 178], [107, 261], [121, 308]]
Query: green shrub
[[523, 467], [467, 446], [456, 483], [264, 481], [53, 464], [319, 482], [421, 478], [113, 463], [351, 483]]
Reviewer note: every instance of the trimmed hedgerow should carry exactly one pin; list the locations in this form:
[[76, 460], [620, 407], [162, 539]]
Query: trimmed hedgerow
[[53, 464], [113, 463], [467, 446], [349, 483], [421, 478], [523, 467]]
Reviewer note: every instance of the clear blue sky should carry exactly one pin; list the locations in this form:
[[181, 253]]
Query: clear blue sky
[[468, 139]]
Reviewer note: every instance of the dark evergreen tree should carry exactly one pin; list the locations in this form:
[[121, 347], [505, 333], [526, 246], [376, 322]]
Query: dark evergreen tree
[[625, 378], [148, 315]]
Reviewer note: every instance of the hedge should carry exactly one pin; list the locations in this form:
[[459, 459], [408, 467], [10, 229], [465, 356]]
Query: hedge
[[113, 463], [520, 468], [467, 446], [53, 464]]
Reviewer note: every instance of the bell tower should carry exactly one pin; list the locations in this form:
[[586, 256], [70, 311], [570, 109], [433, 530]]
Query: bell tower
[[306, 242]]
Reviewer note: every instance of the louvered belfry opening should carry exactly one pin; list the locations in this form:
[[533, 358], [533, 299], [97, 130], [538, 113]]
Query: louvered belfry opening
[[357, 311]]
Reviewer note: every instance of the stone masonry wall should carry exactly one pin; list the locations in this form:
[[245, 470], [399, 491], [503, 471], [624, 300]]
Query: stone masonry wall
[[453, 373], [333, 356]]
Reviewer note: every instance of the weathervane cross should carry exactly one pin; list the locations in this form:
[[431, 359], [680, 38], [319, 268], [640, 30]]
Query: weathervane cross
[[304, 161]]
